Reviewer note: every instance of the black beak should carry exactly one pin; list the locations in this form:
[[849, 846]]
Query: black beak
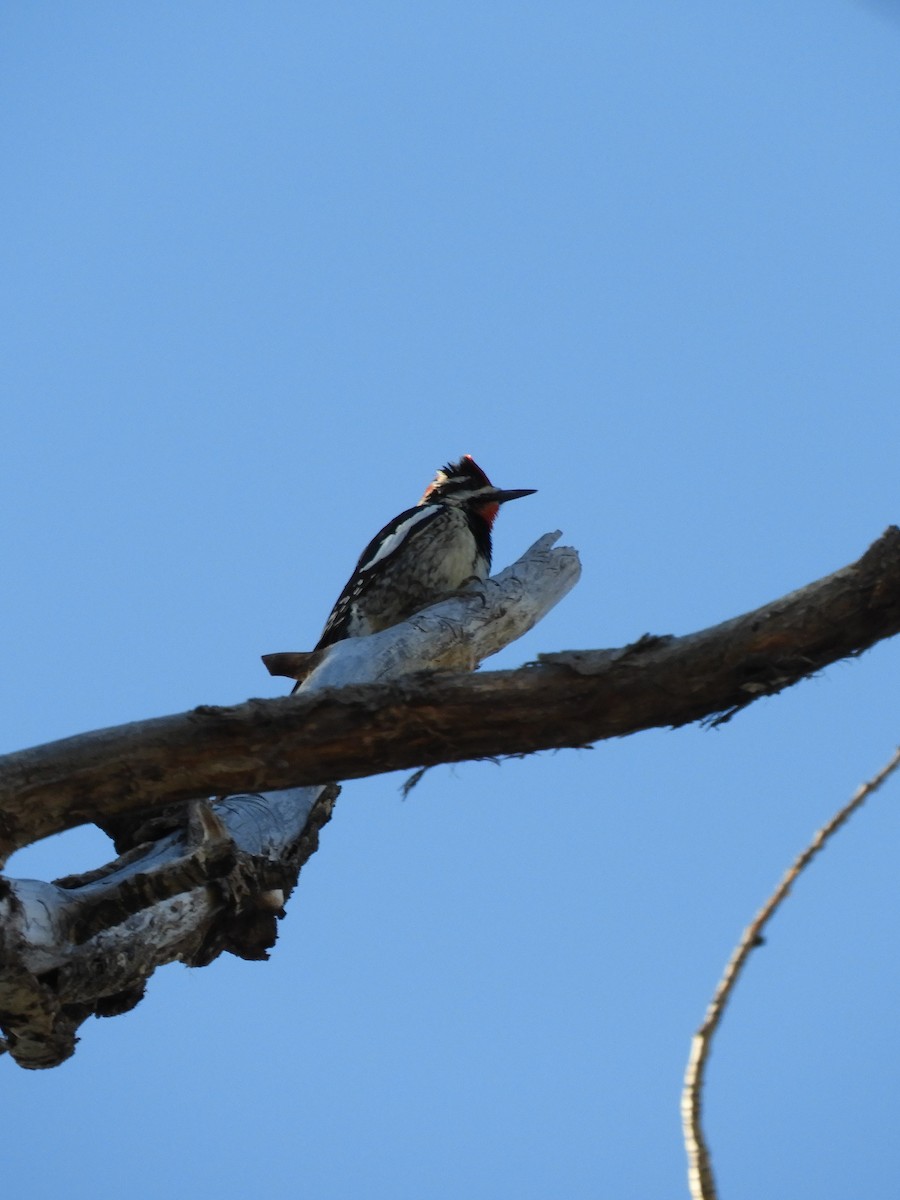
[[500, 496]]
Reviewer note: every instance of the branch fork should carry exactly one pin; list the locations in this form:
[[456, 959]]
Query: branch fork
[[215, 876]]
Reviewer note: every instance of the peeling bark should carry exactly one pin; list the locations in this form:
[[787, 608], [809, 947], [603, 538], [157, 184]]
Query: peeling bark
[[250, 747], [412, 720], [212, 877], [87, 944]]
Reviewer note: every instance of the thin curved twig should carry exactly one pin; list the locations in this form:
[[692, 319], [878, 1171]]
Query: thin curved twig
[[700, 1174]]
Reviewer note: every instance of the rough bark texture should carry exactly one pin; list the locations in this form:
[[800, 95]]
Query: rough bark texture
[[194, 881], [86, 945], [567, 699], [249, 747]]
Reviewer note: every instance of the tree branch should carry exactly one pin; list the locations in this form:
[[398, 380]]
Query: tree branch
[[86, 945], [568, 699], [701, 1180], [217, 751], [217, 881]]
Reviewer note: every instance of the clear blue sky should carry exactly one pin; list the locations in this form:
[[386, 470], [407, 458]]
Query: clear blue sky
[[264, 268]]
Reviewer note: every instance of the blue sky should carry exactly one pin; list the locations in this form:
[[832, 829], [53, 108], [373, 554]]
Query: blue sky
[[266, 267]]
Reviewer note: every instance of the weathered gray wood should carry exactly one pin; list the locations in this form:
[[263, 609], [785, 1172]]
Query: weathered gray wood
[[568, 699], [87, 944], [76, 947], [250, 747]]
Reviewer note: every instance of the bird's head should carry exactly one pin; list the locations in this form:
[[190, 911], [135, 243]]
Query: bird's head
[[465, 484]]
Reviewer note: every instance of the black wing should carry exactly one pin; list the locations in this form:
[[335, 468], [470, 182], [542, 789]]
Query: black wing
[[385, 545]]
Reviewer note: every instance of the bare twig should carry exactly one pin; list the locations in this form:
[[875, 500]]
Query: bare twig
[[700, 1175], [413, 781]]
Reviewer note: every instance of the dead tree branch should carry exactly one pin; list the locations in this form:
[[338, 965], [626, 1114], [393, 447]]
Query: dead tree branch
[[700, 1174], [88, 944], [406, 721]]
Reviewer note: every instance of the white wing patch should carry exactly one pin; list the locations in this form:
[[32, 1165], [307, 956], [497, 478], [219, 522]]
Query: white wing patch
[[400, 534]]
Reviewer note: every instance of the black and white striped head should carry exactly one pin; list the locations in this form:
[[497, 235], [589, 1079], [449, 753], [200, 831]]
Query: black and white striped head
[[464, 484]]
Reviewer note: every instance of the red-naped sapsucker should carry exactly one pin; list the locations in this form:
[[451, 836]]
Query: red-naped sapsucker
[[425, 553]]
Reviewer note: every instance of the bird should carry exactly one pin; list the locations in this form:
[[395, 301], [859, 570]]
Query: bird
[[426, 552]]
